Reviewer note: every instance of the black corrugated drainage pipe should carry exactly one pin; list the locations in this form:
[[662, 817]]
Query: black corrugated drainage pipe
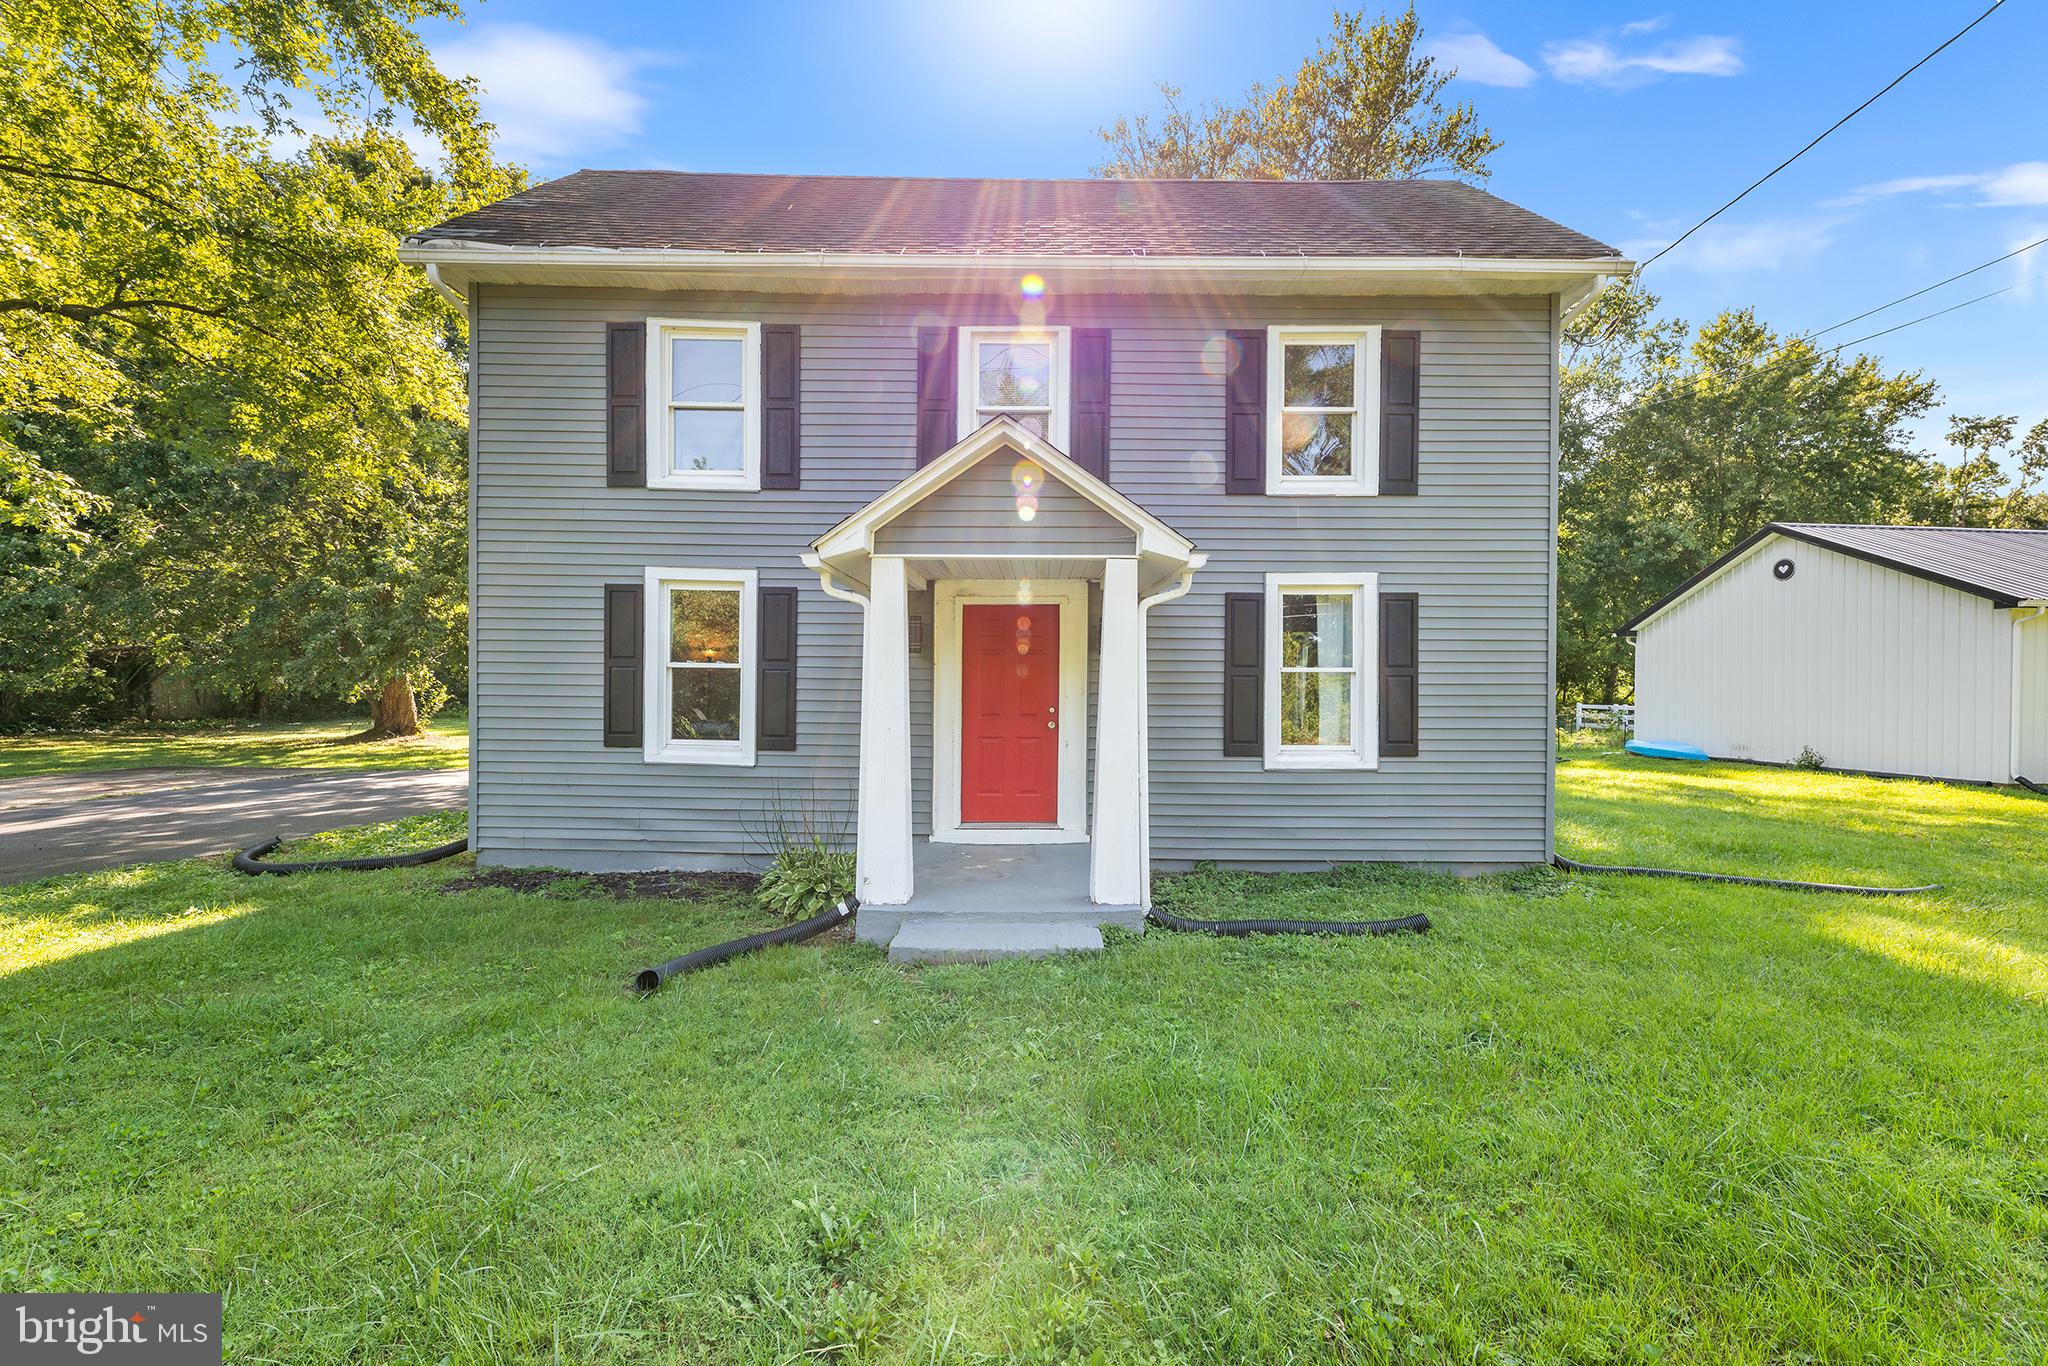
[[250, 860], [1407, 924], [650, 979], [1574, 866], [2030, 785]]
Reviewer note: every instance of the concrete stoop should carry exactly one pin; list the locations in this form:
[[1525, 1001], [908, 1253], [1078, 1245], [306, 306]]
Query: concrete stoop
[[985, 938]]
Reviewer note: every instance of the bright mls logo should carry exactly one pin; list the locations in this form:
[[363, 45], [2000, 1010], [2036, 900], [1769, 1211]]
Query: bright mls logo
[[164, 1330]]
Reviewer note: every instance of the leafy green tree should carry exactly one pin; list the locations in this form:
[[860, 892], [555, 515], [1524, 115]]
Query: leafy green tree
[[1365, 106], [1993, 483], [1674, 445], [196, 285]]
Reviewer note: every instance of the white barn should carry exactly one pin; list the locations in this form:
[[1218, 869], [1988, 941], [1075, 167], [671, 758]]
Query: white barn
[[1903, 650]]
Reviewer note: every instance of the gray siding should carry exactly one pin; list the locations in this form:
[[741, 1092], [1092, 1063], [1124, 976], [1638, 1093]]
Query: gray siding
[[977, 514], [1476, 545]]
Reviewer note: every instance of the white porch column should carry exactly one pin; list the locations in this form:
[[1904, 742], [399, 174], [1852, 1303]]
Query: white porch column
[[1117, 868], [883, 842]]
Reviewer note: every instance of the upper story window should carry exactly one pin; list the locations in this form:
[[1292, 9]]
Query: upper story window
[[700, 694], [1321, 667], [1322, 407], [1021, 372], [704, 382]]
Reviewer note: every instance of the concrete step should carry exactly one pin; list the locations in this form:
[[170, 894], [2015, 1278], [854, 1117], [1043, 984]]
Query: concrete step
[[984, 938]]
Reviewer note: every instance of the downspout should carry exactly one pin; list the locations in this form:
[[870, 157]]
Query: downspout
[[2040, 607], [1145, 606], [443, 288]]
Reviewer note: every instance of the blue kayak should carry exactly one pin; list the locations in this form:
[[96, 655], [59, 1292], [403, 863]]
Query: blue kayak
[[1664, 749]]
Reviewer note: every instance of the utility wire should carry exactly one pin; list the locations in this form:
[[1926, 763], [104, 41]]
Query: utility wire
[[1817, 141], [1961, 274], [1696, 381], [1670, 390], [1873, 336]]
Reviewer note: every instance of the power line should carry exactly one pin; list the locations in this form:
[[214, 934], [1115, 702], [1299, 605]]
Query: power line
[[1961, 274], [1698, 379], [1817, 141], [1670, 392], [1834, 350]]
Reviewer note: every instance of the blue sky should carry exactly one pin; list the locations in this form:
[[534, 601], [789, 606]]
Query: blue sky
[[1627, 122]]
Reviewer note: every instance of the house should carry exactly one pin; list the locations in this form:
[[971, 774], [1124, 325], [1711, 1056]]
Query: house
[[1046, 532], [1909, 650]]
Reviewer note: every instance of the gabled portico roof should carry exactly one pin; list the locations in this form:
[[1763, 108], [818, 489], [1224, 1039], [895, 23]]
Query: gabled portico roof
[[854, 538]]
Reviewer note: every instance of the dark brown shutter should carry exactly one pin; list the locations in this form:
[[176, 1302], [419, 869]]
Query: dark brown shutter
[[781, 384], [775, 670], [1089, 418], [1244, 660], [938, 383], [1400, 401], [624, 627], [625, 431], [1400, 729], [1244, 414]]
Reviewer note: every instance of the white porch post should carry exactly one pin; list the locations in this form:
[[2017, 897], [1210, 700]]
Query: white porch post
[[883, 841], [1117, 868]]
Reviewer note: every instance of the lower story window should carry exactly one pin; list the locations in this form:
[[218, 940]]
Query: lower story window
[[1319, 661], [700, 698]]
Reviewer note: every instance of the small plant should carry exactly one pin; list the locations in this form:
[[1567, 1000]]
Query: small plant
[[810, 866], [833, 1237], [1810, 758], [805, 879], [850, 1324]]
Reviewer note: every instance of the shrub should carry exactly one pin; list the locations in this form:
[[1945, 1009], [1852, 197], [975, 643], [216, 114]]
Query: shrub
[[804, 879], [1810, 758]]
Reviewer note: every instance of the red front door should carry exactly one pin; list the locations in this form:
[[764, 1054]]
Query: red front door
[[1009, 714]]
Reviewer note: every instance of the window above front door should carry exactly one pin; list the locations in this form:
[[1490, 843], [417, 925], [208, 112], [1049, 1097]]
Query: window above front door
[[1022, 373]]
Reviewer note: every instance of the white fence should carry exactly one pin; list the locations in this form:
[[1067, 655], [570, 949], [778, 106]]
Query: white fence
[[1591, 714]]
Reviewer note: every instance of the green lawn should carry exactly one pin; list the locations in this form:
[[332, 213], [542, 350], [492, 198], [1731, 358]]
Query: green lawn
[[207, 744], [1585, 1120]]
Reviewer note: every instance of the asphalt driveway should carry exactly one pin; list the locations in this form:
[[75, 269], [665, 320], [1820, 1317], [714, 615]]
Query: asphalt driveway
[[72, 823]]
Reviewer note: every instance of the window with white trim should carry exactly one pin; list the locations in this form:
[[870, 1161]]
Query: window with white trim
[[1019, 372], [1322, 410], [1322, 664], [701, 645], [704, 404]]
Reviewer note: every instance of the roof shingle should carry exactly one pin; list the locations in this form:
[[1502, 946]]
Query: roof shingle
[[898, 215]]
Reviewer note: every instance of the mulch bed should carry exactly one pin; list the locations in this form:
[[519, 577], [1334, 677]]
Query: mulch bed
[[624, 886]]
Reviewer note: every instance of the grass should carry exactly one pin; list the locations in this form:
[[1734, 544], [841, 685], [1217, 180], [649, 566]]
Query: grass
[[443, 743], [1585, 1120]]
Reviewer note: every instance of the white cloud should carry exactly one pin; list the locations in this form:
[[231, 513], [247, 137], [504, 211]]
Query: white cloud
[[1478, 59], [1662, 21], [1599, 59], [2023, 183], [550, 93], [1737, 248]]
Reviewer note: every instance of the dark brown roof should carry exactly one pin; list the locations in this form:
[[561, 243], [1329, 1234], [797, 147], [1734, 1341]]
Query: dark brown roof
[[2008, 567], [782, 213]]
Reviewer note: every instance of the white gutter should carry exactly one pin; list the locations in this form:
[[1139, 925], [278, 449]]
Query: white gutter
[[451, 252], [1145, 606], [2040, 609], [818, 566], [441, 287], [464, 261], [1577, 301]]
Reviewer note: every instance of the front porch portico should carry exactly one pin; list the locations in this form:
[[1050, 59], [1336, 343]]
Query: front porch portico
[[1015, 540]]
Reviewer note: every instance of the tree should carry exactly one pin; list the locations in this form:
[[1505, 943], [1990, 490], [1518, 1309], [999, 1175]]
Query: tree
[[1674, 445], [1978, 490], [1364, 106], [198, 287]]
